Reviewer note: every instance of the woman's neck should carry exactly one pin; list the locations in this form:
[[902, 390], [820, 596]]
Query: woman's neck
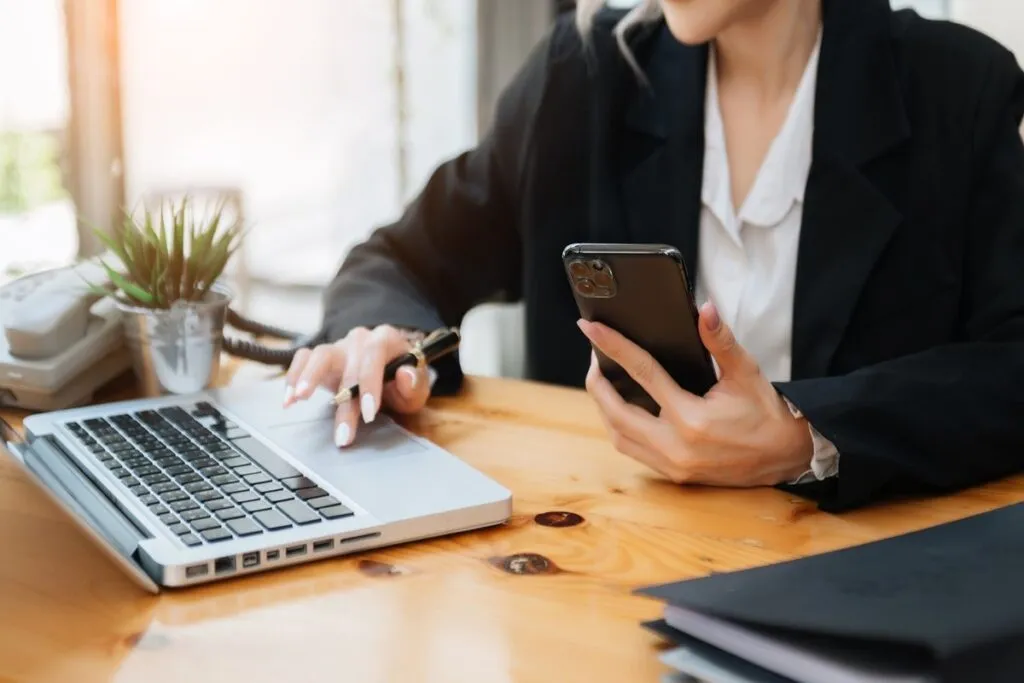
[[767, 52]]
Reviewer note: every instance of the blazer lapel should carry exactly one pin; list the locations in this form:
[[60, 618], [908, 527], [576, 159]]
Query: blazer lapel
[[661, 153], [848, 218]]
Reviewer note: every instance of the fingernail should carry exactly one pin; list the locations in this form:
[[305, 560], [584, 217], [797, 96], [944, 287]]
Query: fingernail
[[414, 376], [369, 407], [302, 388], [289, 394], [342, 435], [713, 319]]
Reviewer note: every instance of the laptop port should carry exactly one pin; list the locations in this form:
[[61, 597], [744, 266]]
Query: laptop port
[[295, 551], [273, 555], [250, 560], [196, 570], [320, 546], [223, 565]]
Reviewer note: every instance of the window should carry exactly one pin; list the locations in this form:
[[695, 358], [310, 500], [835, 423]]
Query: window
[[324, 116], [37, 216]]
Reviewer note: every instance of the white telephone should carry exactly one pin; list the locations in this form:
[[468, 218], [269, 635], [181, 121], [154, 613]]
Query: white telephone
[[61, 342]]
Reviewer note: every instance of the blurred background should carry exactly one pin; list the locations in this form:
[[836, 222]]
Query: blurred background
[[321, 118]]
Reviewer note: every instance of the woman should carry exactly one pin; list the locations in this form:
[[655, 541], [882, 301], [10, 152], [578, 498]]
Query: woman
[[846, 184]]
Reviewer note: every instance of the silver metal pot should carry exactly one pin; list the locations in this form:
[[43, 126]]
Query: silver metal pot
[[177, 350]]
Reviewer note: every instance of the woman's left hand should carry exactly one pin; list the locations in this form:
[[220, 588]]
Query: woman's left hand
[[741, 433]]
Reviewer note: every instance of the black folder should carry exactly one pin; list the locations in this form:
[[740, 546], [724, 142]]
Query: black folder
[[944, 605]]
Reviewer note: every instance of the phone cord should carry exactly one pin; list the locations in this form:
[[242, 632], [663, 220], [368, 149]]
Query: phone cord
[[260, 353]]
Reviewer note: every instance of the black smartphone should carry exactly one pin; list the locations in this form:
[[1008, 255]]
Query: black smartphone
[[643, 292]]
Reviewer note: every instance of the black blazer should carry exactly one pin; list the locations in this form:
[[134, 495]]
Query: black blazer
[[908, 329]]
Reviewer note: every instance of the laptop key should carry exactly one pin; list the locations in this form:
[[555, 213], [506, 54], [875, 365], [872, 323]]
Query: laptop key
[[138, 490], [260, 478], [220, 504], [267, 487], [266, 458], [197, 486], [256, 506], [189, 478], [169, 518], [296, 483], [224, 479], [335, 512], [190, 540], [157, 509], [246, 469], [236, 462], [178, 469], [152, 479], [212, 471], [324, 502], [278, 496], [299, 512], [174, 496], [244, 527], [229, 513], [272, 519], [148, 499], [214, 535], [237, 487], [194, 515], [179, 529], [165, 487], [183, 505], [205, 524], [207, 496], [307, 494], [244, 496]]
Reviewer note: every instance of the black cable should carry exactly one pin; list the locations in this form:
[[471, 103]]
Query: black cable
[[261, 353]]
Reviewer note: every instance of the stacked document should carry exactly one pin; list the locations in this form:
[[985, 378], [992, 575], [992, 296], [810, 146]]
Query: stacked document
[[941, 605]]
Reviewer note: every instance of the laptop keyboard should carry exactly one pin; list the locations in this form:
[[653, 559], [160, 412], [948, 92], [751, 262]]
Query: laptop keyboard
[[203, 477]]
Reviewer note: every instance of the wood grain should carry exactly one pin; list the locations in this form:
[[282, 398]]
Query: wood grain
[[525, 602]]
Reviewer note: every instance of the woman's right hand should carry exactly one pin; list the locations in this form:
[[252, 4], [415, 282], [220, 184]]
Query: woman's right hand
[[359, 359]]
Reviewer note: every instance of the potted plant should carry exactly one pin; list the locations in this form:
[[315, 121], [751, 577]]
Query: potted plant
[[167, 287]]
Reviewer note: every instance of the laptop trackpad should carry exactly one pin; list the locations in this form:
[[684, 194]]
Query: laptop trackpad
[[305, 430]]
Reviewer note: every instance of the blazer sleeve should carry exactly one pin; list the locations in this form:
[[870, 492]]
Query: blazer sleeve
[[953, 416], [457, 243]]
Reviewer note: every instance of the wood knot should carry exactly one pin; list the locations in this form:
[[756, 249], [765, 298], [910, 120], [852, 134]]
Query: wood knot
[[525, 564], [558, 519], [375, 568]]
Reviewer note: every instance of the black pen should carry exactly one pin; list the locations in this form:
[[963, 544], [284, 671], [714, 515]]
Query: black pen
[[437, 344]]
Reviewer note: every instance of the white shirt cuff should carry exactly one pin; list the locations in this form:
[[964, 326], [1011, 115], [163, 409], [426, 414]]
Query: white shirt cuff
[[825, 459]]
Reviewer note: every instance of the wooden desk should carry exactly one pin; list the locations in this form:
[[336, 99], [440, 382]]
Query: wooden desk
[[545, 598]]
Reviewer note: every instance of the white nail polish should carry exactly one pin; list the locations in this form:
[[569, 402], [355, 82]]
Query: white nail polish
[[289, 393], [413, 375], [303, 386], [369, 407], [341, 435]]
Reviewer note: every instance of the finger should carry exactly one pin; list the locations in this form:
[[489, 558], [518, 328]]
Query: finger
[[732, 359], [295, 369], [623, 418], [383, 344], [346, 417], [317, 369], [410, 390], [640, 364]]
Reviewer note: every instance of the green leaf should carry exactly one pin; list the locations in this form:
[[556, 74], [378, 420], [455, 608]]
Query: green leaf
[[129, 288]]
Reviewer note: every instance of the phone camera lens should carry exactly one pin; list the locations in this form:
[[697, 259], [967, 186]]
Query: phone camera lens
[[603, 279], [585, 287], [578, 269]]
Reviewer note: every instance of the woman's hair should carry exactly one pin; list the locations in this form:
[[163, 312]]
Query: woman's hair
[[645, 10]]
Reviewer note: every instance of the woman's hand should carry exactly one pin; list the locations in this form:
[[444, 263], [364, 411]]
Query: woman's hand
[[359, 358], [741, 433]]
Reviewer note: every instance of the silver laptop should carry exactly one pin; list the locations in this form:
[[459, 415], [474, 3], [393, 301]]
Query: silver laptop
[[186, 490]]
